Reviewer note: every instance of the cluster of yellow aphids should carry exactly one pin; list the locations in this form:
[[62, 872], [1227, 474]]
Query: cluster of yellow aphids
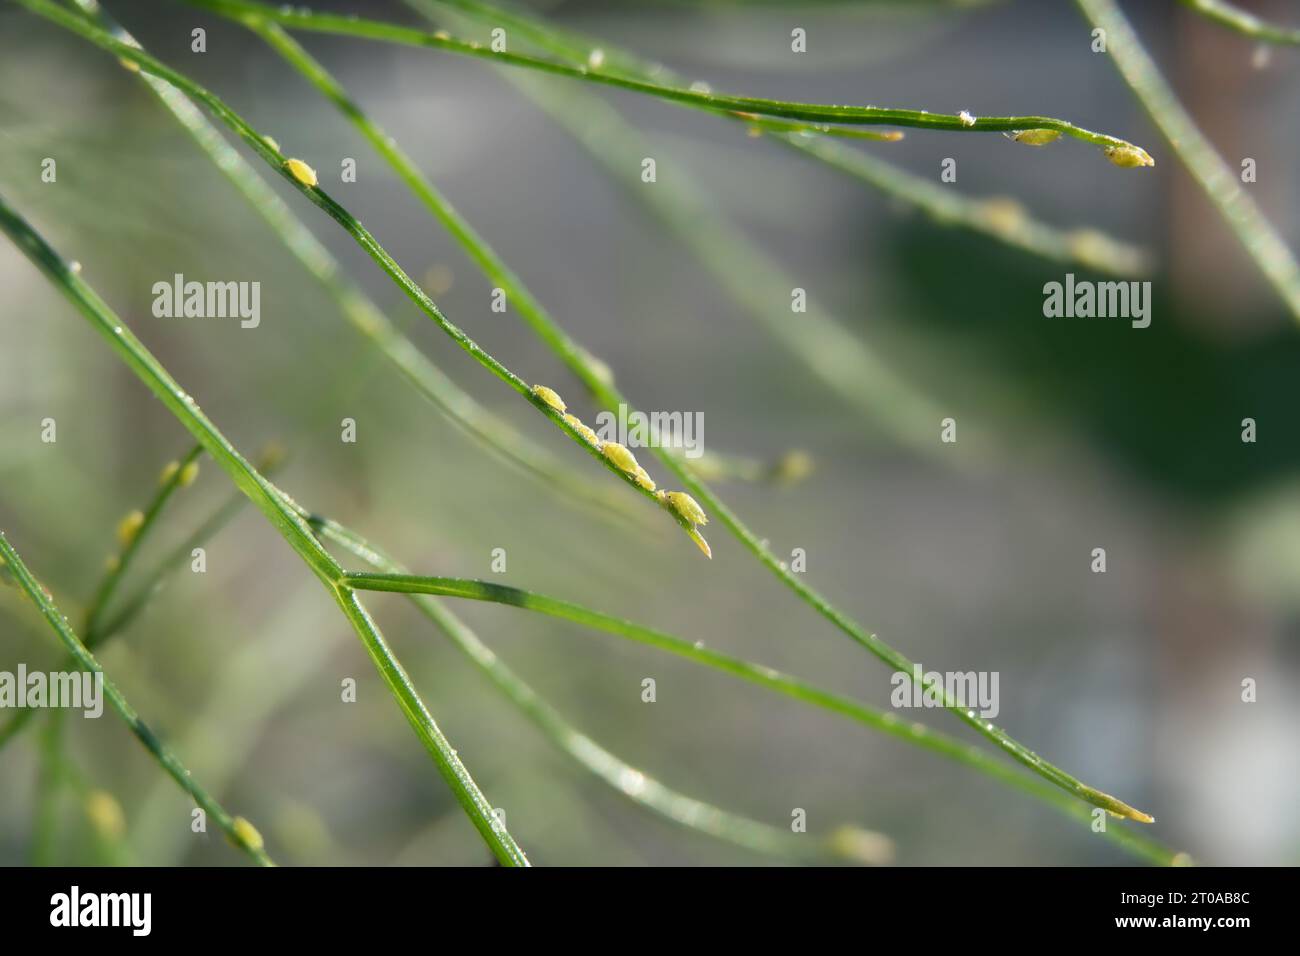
[[683, 507]]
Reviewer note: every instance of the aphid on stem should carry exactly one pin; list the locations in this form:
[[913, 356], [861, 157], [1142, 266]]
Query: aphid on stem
[[301, 171], [247, 834], [576, 424], [1034, 137], [1129, 157], [129, 527], [686, 506], [620, 456], [551, 397]]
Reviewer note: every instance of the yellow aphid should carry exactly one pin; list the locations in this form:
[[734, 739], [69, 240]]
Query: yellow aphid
[[1129, 157], [1036, 137], [442, 35], [644, 480], [687, 507], [301, 171], [105, 814], [188, 474], [129, 527], [131, 65], [551, 397], [169, 472], [620, 456], [247, 834], [112, 563], [270, 141], [576, 424], [596, 58]]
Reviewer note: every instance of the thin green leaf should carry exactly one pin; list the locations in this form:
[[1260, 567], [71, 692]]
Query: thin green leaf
[[172, 480], [1244, 22], [579, 362], [755, 673], [616, 143], [237, 834], [459, 407], [846, 842], [394, 578], [1222, 184], [270, 500], [296, 18]]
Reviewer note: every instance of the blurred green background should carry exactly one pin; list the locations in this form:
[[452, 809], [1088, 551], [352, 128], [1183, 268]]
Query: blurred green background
[[1091, 434]]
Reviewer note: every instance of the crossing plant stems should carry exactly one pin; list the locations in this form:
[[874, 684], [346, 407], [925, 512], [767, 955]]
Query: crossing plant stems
[[807, 126]]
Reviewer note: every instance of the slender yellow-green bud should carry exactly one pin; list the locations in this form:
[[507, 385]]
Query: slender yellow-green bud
[[620, 456], [551, 397], [188, 474], [105, 814], [169, 472], [1035, 137], [1129, 157], [129, 527], [301, 171], [247, 834], [686, 506]]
